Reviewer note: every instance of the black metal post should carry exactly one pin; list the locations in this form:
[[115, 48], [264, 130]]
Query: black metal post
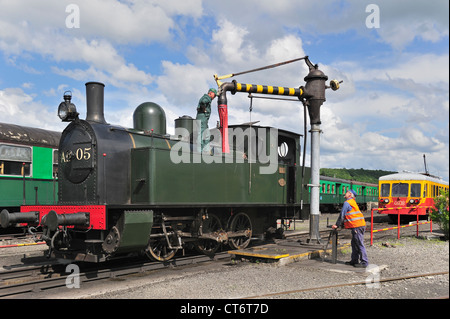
[[334, 240]]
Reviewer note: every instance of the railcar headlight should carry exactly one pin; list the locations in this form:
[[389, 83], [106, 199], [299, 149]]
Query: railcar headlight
[[67, 111], [384, 201]]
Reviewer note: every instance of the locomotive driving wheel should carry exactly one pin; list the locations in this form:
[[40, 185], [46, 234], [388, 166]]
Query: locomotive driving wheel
[[158, 247], [209, 225], [241, 223], [159, 250]]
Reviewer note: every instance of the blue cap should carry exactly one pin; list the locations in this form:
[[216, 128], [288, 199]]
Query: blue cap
[[352, 191]]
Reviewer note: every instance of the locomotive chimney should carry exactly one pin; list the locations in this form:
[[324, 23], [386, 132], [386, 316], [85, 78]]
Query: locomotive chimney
[[94, 102]]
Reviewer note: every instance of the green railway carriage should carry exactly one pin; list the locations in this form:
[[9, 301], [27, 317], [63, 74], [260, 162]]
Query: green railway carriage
[[28, 166], [332, 192]]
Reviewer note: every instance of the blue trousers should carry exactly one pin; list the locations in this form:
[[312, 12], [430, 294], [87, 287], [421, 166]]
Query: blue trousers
[[359, 254]]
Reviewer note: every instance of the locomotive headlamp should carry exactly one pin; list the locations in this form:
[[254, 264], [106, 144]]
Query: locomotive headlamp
[[67, 111], [413, 201]]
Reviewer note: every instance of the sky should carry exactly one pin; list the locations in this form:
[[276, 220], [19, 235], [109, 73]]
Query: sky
[[392, 56]]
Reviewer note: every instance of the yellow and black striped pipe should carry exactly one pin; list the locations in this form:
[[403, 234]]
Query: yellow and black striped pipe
[[267, 89]]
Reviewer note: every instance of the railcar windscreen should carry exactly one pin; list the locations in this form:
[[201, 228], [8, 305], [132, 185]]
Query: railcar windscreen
[[400, 189], [385, 190]]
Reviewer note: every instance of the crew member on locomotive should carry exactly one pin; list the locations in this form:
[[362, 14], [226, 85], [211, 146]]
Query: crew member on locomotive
[[203, 114], [352, 218]]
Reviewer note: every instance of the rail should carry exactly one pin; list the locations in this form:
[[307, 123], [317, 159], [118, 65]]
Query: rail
[[26, 283], [398, 223], [21, 245], [349, 284]]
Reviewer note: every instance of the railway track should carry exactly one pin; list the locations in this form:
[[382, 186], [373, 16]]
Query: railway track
[[22, 282], [32, 280]]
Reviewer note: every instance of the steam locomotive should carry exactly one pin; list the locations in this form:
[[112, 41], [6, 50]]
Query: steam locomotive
[[128, 190]]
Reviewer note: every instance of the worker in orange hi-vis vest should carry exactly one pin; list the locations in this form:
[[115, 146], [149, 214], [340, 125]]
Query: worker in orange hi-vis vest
[[352, 218]]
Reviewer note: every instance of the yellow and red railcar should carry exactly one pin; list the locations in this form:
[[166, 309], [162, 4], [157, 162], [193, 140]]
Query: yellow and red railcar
[[408, 193]]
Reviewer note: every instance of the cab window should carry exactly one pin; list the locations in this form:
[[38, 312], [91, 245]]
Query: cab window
[[400, 189], [415, 190], [385, 190]]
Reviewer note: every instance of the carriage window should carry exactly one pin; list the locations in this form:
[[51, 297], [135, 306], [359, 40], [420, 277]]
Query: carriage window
[[385, 190], [415, 190], [400, 189], [15, 160], [55, 163]]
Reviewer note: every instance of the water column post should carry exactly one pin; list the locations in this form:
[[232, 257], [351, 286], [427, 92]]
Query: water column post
[[314, 235], [315, 96]]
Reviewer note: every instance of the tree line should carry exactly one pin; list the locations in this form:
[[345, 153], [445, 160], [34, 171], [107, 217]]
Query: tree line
[[360, 175]]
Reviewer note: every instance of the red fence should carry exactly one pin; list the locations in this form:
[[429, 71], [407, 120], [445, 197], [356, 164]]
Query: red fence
[[398, 224]]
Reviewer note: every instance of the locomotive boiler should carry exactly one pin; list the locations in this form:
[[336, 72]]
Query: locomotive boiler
[[130, 190]]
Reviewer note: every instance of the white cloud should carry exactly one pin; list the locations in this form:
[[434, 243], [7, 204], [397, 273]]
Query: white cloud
[[184, 83], [17, 106], [424, 69], [131, 21], [231, 45], [39, 27], [401, 21]]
